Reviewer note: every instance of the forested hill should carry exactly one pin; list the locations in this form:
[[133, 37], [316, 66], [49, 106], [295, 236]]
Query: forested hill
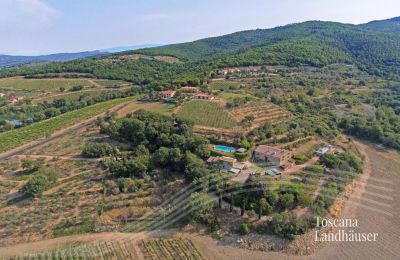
[[389, 25], [312, 43]]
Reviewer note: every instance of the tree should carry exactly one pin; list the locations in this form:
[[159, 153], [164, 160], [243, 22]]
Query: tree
[[287, 225], [264, 208], [162, 156], [199, 205], [287, 200], [194, 167], [36, 185]]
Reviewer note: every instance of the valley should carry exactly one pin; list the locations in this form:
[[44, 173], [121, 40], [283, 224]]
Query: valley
[[224, 148]]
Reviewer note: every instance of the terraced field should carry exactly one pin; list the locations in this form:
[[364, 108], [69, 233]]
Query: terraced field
[[207, 113], [262, 111]]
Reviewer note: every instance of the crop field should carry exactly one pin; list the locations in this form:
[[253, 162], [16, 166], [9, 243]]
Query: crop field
[[69, 96], [170, 249], [104, 250], [44, 85], [14, 138], [207, 113], [224, 85], [112, 83]]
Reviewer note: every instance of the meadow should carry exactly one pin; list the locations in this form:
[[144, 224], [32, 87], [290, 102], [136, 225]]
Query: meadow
[[44, 85], [206, 113]]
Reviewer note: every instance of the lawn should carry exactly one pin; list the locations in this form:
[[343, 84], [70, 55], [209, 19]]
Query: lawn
[[206, 113], [46, 85]]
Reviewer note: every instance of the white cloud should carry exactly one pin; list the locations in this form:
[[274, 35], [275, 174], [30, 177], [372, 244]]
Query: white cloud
[[25, 13]]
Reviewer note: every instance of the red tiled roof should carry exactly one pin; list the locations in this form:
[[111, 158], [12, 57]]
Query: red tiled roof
[[227, 159], [167, 92], [202, 95], [271, 151], [189, 89]]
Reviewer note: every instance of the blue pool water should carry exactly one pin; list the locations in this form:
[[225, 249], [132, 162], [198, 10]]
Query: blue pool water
[[226, 149]]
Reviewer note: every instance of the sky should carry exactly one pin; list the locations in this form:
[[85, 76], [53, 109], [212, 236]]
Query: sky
[[31, 27]]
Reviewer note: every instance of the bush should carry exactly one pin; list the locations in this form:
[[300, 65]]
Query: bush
[[99, 150], [36, 185], [244, 229], [31, 165], [287, 225], [76, 88]]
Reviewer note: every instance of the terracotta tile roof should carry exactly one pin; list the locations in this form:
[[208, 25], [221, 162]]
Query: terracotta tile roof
[[168, 92], [271, 151]]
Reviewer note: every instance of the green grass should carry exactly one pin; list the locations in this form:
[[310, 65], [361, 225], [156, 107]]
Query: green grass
[[229, 96], [224, 85], [85, 227], [207, 113], [71, 96], [41, 84], [14, 138], [111, 83]]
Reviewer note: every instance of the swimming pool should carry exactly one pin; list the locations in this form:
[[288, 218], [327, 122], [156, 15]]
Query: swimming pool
[[225, 149]]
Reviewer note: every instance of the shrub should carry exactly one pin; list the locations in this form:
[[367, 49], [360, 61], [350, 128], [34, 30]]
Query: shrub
[[244, 229], [36, 185], [99, 150], [287, 225]]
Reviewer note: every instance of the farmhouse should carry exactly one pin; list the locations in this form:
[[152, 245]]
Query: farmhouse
[[271, 156], [225, 164], [203, 96], [14, 99], [167, 94], [189, 90]]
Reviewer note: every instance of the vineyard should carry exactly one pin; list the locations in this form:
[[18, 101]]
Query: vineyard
[[170, 249], [207, 113], [104, 250], [19, 136]]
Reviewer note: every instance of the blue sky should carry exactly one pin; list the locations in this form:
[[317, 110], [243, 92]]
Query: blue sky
[[48, 26]]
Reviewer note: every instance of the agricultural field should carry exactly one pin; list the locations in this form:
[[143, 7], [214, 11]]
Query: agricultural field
[[262, 111], [69, 96], [170, 249], [16, 137], [41, 85], [206, 113], [224, 85], [112, 83]]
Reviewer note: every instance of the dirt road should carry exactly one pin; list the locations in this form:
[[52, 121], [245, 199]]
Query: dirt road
[[376, 210], [24, 149]]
